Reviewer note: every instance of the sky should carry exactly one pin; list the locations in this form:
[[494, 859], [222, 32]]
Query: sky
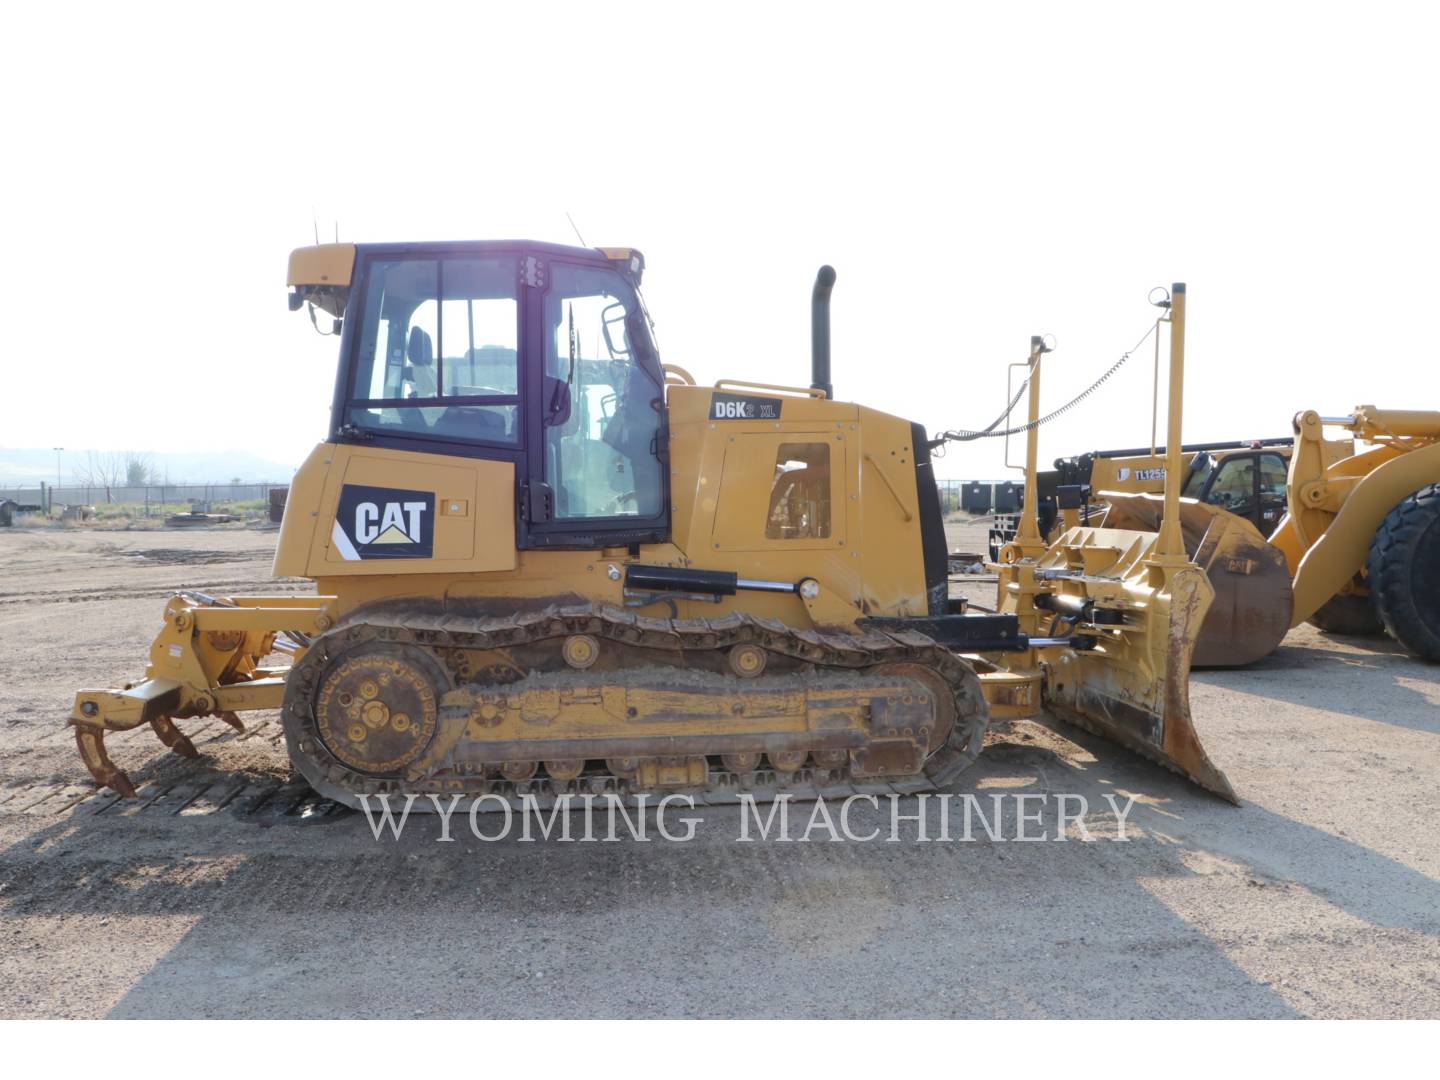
[[975, 173]]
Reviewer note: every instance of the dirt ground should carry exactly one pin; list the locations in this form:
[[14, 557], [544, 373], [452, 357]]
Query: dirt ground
[[226, 891]]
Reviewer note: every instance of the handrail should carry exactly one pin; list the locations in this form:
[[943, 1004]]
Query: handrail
[[805, 391], [904, 512]]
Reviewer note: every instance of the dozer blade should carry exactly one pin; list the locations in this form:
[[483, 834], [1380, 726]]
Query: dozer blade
[[1133, 687], [1253, 601]]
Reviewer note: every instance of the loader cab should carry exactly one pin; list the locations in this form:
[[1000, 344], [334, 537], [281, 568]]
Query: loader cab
[[1249, 484], [535, 354]]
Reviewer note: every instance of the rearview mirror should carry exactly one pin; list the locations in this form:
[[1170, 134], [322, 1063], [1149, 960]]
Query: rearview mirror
[[557, 401], [608, 320]]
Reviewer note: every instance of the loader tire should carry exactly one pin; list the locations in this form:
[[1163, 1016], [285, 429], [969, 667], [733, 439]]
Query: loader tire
[[1350, 614], [1404, 571]]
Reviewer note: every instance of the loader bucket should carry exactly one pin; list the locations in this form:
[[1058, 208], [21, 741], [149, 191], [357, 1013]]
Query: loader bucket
[[1253, 600], [1133, 687]]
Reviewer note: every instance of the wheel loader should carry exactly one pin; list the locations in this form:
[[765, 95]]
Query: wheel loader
[[548, 564], [1362, 533]]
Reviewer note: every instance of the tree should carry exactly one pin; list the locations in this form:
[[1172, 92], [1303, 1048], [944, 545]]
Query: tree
[[115, 469], [102, 471], [139, 470]]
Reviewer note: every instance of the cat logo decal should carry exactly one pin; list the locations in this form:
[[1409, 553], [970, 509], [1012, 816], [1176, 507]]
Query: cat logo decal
[[384, 523]]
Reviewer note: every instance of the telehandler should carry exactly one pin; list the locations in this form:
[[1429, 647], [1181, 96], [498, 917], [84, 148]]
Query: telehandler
[[1244, 477], [548, 564], [1233, 495]]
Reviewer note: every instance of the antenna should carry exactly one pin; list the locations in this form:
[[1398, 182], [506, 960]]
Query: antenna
[[337, 230], [315, 221], [576, 228]]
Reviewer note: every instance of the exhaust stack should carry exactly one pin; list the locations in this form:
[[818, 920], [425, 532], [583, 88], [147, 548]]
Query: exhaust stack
[[820, 331]]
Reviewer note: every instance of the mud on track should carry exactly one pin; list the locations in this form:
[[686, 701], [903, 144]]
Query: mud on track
[[228, 890]]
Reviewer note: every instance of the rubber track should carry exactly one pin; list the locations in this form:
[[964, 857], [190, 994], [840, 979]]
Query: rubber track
[[836, 651], [1411, 619]]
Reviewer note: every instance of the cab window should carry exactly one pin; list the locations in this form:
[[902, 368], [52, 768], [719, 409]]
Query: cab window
[[1233, 488], [601, 399], [438, 354], [1201, 466], [1273, 475]]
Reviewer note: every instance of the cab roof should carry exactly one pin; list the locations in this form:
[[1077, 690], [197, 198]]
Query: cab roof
[[330, 266]]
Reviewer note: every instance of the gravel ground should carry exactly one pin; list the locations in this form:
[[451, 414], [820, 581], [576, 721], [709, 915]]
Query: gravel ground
[[1320, 896]]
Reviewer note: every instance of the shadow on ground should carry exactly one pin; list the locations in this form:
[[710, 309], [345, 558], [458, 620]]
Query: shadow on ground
[[320, 919]]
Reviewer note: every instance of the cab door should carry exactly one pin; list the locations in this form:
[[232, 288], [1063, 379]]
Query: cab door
[[597, 473], [1234, 487], [1273, 501]]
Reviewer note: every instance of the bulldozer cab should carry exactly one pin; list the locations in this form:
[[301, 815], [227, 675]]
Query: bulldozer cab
[[1248, 484], [537, 355]]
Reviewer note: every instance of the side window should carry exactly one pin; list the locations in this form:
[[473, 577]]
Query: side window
[[437, 355], [1274, 472], [1201, 466], [1234, 485], [478, 329], [601, 407], [381, 347], [1273, 475], [800, 495]]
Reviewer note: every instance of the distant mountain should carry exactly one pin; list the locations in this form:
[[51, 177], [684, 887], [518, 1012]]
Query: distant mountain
[[28, 467]]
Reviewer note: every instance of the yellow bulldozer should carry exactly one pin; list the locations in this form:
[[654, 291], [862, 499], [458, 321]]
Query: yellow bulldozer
[[548, 564]]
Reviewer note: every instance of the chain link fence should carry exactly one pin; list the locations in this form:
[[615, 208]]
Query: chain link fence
[[146, 498]]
